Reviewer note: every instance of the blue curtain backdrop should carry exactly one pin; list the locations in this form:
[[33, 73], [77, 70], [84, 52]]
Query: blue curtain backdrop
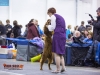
[[4, 2]]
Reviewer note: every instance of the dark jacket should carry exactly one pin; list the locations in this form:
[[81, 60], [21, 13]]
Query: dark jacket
[[96, 29], [17, 31], [7, 30], [81, 28], [8, 27], [32, 31], [2, 30], [78, 40]]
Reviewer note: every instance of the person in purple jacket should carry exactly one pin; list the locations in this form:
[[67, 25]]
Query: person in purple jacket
[[59, 38]]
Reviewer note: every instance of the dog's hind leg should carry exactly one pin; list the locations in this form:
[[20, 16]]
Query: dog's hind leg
[[50, 60], [42, 62]]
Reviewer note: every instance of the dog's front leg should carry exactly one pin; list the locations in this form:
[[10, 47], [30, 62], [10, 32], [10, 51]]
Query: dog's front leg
[[41, 64]]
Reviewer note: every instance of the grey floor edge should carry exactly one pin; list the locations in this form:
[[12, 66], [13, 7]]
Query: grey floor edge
[[34, 69]]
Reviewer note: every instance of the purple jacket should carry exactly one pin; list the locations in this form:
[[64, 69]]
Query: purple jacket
[[38, 42]]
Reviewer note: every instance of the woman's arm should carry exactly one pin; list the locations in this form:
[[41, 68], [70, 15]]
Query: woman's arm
[[53, 23]]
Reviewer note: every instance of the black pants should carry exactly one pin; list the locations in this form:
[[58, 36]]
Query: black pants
[[92, 50]]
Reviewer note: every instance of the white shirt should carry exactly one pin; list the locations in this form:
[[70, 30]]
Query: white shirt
[[53, 23]]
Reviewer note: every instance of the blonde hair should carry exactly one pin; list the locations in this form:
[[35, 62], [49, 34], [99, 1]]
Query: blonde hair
[[69, 26], [91, 33], [36, 20]]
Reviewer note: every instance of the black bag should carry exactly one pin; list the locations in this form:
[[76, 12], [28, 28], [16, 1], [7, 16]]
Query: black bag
[[78, 53]]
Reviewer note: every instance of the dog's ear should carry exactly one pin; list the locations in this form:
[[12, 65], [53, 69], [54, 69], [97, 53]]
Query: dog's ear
[[46, 31]]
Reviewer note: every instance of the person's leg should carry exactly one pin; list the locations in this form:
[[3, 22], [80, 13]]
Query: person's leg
[[89, 52], [63, 64], [57, 61]]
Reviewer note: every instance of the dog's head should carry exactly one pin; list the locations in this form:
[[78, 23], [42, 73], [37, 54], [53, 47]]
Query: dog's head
[[46, 31]]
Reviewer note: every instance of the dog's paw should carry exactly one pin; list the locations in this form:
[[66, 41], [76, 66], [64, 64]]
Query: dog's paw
[[41, 69], [50, 69]]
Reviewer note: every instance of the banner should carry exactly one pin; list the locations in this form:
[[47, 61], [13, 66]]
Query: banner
[[4, 2]]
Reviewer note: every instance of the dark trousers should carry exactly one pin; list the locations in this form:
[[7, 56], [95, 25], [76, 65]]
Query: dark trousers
[[92, 50]]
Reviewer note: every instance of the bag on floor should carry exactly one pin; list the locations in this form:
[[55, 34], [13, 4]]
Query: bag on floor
[[36, 58], [33, 51], [21, 52], [26, 52]]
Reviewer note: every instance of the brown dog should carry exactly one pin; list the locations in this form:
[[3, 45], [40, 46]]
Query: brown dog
[[47, 52]]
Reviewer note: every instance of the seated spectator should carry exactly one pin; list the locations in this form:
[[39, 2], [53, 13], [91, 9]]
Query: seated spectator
[[85, 34], [88, 40], [32, 31], [78, 38], [2, 30], [68, 31], [38, 28], [75, 29], [70, 39], [8, 28]]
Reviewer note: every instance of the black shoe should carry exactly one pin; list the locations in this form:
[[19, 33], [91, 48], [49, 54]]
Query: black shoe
[[63, 70]]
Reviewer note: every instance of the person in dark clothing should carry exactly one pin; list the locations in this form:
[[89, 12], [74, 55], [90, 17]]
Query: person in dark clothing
[[16, 29], [32, 31], [96, 29], [8, 28], [78, 38], [96, 36], [2, 30], [82, 27]]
